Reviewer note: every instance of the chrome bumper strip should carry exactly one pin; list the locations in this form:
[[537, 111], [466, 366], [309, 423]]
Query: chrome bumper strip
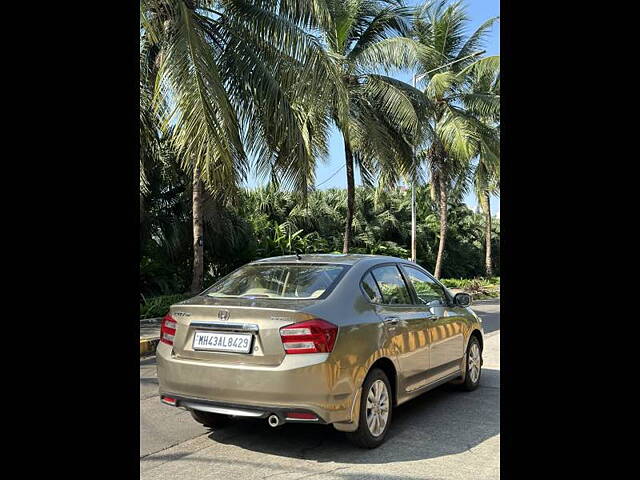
[[222, 410], [244, 327]]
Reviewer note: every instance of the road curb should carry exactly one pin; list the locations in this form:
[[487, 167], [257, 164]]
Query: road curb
[[150, 320], [148, 345]]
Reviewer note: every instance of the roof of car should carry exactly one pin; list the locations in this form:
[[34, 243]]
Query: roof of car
[[339, 258]]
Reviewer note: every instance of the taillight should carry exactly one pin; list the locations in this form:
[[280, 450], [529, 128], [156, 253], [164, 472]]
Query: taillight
[[312, 336], [167, 330]]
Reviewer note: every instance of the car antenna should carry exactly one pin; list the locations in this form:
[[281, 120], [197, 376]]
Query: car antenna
[[298, 254]]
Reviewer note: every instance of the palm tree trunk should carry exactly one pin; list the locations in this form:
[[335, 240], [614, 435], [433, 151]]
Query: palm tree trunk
[[442, 196], [351, 195], [485, 203], [198, 231]]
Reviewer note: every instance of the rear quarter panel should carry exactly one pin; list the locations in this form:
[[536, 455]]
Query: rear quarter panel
[[362, 338]]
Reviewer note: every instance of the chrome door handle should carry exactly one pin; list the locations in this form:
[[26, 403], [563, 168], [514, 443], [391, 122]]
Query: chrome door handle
[[393, 321]]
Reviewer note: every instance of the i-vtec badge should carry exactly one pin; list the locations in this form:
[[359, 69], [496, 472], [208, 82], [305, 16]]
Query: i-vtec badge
[[223, 315], [181, 314]]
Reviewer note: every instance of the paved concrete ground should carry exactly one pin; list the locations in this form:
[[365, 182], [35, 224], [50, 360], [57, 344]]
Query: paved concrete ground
[[444, 434]]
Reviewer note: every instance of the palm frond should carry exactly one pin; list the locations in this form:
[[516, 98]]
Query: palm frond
[[483, 67], [440, 83], [404, 105], [475, 42], [393, 53], [207, 129], [458, 134], [481, 104], [386, 22]]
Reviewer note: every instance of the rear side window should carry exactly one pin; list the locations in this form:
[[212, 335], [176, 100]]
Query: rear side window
[[371, 289], [392, 286]]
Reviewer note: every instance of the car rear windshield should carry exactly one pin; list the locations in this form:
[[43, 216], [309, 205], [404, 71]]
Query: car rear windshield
[[293, 281]]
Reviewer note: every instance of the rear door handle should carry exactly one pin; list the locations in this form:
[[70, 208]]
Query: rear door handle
[[391, 321]]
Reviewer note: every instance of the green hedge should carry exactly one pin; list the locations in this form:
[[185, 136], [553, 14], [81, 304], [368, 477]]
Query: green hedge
[[479, 288], [159, 306], [466, 282]]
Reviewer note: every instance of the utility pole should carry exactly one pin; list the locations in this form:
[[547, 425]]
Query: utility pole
[[413, 198]]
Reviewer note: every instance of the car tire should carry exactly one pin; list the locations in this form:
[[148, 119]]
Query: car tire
[[363, 437], [473, 365], [211, 420]]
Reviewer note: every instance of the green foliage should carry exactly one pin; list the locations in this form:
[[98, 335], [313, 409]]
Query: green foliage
[[469, 283], [166, 233], [159, 306], [232, 87], [479, 287], [376, 114], [266, 222], [280, 239], [241, 79]]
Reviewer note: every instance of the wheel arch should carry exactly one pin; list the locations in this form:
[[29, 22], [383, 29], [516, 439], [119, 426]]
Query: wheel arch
[[388, 367], [476, 333]]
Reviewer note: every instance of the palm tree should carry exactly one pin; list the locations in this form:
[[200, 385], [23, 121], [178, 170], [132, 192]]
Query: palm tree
[[236, 75], [484, 189], [454, 130], [377, 115], [487, 171]]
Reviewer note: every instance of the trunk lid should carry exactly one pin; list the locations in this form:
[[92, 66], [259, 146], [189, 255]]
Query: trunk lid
[[259, 317]]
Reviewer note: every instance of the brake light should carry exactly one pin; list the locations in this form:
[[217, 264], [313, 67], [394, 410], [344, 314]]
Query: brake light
[[167, 330], [311, 336]]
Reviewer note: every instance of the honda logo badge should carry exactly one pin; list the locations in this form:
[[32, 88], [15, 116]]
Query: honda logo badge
[[223, 315]]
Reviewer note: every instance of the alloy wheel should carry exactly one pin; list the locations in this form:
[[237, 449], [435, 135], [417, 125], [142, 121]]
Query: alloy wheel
[[377, 408], [473, 362]]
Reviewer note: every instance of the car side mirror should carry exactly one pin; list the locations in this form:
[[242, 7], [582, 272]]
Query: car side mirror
[[462, 300]]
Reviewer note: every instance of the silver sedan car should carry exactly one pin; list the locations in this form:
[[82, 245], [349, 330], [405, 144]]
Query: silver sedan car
[[326, 339]]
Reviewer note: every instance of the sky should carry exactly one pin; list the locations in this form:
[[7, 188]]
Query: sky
[[326, 176]]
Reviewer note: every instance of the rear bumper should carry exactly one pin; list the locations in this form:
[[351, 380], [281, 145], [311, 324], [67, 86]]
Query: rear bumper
[[241, 410], [301, 383]]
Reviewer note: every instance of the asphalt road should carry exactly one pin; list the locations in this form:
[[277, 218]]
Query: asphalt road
[[443, 434]]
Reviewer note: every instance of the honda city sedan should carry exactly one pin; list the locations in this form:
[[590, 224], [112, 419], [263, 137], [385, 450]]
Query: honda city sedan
[[325, 339]]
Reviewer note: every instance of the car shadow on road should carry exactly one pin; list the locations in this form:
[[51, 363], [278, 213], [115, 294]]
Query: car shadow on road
[[441, 422]]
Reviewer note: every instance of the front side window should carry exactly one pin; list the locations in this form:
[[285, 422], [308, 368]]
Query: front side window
[[426, 288], [392, 286], [291, 281]]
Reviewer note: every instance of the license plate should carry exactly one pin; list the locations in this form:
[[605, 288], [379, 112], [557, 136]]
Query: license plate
[[222, 342]]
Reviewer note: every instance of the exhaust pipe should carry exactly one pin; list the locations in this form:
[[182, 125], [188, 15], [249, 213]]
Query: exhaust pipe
[[274, 420]]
